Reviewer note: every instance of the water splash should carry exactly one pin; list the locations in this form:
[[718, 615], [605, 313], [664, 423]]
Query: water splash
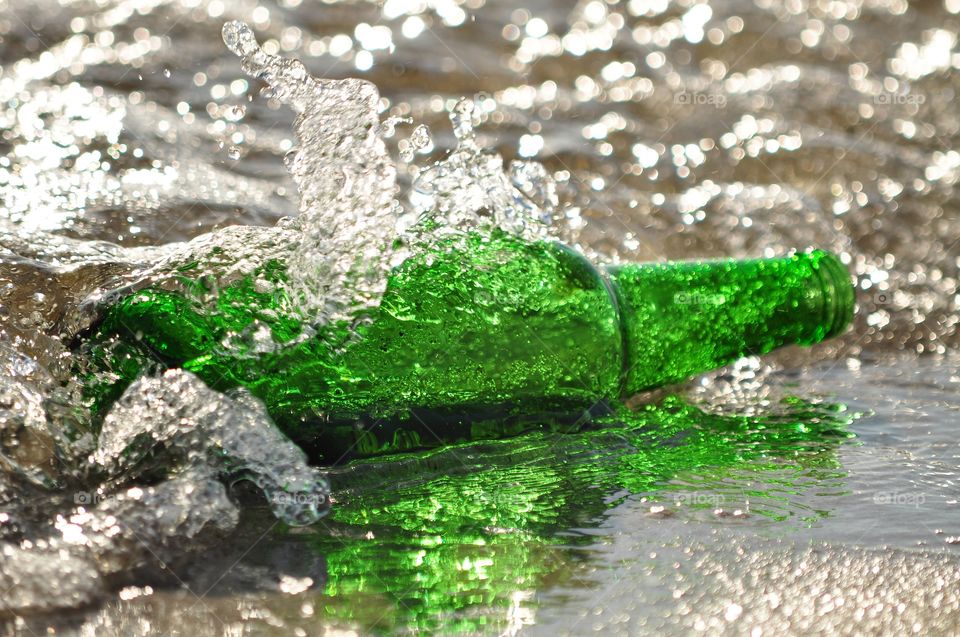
[[205, 431], [31, 446], [470, 190], [69, 562], [347, 181], [172, 427], [420, 141], [350, 218]]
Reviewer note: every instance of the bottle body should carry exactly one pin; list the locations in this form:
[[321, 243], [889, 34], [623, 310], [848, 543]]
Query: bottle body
[[479, 338]]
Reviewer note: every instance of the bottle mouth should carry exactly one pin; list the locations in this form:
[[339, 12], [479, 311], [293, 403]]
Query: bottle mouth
[[838, 294]]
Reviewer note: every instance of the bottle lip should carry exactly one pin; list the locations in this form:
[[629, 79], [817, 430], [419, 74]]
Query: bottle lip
[[839, 299]]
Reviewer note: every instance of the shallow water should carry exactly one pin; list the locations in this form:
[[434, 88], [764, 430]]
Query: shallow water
[[815, 489]]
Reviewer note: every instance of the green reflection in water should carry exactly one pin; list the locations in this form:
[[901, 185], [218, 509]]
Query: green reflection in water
[[458, 540]]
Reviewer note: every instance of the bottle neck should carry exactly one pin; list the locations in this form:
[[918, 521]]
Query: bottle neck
[[683, 318]]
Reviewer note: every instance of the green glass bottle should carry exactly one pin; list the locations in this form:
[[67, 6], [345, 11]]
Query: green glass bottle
[[480, 336]]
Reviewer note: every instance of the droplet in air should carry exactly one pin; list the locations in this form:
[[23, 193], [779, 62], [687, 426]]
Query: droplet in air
[[236, 112], [420, 139], [388, 127], [233, 153], [239, 38], [419, 142], [406, 150], [297, 70], [462, 119]]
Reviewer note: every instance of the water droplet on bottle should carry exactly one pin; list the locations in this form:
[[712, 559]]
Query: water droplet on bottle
[[346, 181]]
